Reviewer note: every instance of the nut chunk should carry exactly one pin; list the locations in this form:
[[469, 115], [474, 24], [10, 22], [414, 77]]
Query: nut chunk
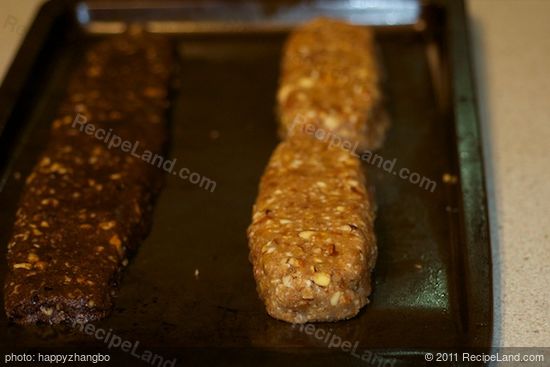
[[311, 240]]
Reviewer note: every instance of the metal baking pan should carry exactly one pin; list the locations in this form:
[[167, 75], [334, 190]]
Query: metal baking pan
[[433, 287]]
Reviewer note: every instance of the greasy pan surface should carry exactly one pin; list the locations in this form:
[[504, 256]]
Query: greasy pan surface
[[223, 126]]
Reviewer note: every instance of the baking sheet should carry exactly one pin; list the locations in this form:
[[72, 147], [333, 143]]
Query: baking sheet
[[432, 281]]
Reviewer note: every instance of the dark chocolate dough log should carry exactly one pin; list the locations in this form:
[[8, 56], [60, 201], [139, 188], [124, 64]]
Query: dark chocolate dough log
[[87, 202]]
